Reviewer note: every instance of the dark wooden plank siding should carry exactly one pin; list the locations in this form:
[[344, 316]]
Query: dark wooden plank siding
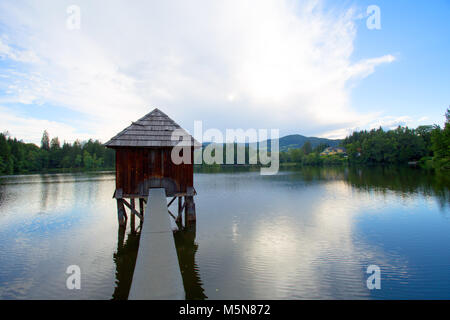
[[136, 166]]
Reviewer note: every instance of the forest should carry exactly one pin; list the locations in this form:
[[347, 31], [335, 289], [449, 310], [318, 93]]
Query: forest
[[17, 157], [427, 146]]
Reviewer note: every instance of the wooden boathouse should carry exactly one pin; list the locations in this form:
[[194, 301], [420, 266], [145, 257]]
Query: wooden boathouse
[[143, 161]]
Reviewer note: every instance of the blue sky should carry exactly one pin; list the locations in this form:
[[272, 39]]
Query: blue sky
[[418, 83], [310, 67]]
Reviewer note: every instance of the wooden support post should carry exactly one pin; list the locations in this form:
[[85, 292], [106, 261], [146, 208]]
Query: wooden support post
[[133, 210], [171, 214], [180, 210], [141, 206], [171, 201], [132, 216], [189, 212], [121, 213], [120, 239]]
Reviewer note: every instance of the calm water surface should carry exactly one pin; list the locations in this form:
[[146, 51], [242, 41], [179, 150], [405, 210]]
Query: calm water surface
[[302, 234]]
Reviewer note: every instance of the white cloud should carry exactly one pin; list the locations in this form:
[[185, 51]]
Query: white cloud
[[366, 123], [366, 67], [268, 63], [16, 54], [31, 128]]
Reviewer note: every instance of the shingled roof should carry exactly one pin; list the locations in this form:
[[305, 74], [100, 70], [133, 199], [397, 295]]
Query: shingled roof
[[153, 130]]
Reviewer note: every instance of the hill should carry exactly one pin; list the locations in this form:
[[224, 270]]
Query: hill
[[296, 141]]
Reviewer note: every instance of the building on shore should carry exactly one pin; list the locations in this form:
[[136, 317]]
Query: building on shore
[[333, 151]]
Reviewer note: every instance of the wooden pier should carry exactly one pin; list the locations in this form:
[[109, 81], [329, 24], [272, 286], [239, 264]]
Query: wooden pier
[[157, 274], [147, 171]]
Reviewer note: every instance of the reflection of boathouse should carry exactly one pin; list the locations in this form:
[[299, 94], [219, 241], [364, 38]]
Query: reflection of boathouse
[[143, 161], [186, 250], [126, 255]]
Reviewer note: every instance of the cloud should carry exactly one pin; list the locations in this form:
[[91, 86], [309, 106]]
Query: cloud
[[366, 67], [271, 63], [7, 52], [365, 123], [21, 126]]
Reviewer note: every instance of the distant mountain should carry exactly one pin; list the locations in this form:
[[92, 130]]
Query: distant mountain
[[296, 141]]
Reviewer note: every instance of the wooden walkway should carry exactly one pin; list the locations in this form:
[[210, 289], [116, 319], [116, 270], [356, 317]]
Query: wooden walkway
[[157, 273]]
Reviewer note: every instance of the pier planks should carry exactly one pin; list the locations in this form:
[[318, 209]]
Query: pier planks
[[157, 273]]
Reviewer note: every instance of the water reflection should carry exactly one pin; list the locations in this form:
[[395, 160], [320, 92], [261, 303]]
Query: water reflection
[[305, 233], [125, 260], [127, 251], [299, 242], [311, 232], [404, 181], [186, 250], [49, 222]]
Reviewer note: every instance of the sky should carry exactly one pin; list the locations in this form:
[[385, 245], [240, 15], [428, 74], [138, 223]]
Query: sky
[[304, 67]]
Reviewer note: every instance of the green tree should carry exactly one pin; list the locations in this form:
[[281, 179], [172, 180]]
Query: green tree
[[295, 155], [425, 133], [321, 147], [19, 157], [55, 153], [440, 144], [6, 165], [66, 162], [378, 146], [54, 144], [45, 141], [88, 161], [306, 148], [78, 161]]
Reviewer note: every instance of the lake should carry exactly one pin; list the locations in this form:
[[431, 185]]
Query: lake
[[307, 233]]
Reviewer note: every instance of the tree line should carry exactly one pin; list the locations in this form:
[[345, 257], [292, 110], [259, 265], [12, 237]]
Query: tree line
[[428, 146], [17, 157]]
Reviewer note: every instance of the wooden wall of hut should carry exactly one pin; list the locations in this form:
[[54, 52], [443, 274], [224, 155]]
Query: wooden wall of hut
[[138, 169]]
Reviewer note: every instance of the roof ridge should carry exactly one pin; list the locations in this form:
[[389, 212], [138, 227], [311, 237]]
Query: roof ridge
[[162, 114], [161, 125], [154, 110]]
